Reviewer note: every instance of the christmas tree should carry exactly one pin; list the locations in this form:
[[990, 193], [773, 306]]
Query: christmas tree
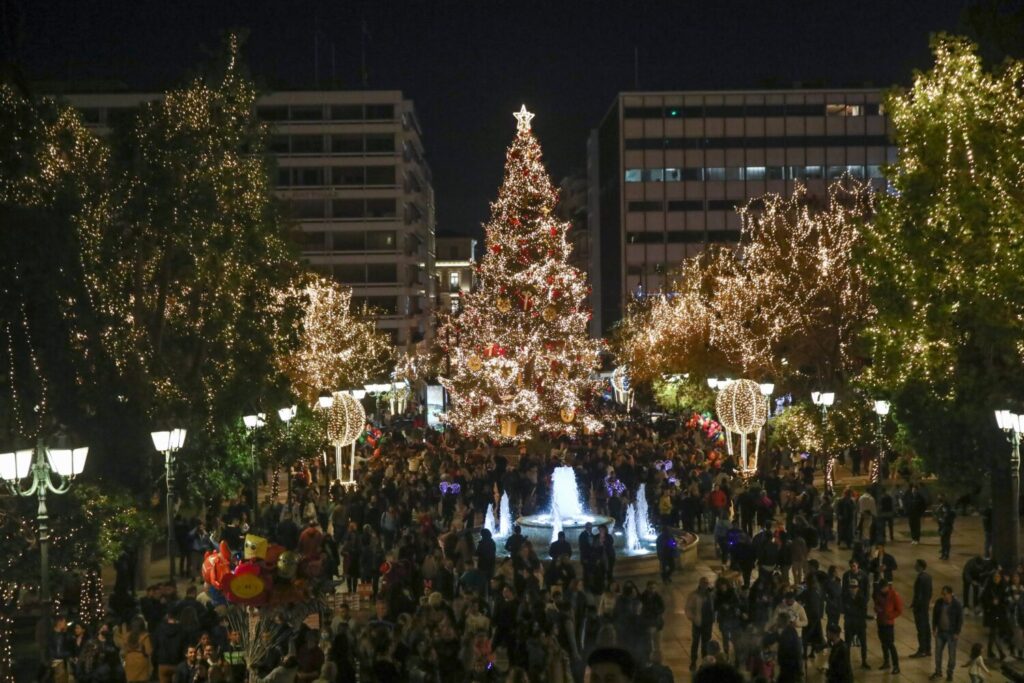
[[520, 358]]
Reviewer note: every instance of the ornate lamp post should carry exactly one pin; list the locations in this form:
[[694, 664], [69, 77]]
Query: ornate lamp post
[[1006, 521], [881, 410], [824, 399], [168, 443], [286, 415], [253, 423], [52, 470]]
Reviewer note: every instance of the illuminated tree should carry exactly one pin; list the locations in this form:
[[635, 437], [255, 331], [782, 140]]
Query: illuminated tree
[[337, 347], [787, 304], [520, 356], [946, 260]]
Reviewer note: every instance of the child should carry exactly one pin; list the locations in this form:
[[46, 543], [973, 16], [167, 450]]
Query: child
[[977, 668]]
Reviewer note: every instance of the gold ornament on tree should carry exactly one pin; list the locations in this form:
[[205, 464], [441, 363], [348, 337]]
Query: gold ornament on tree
[[504, 305], [550, 314], [509, 428], [568, 415], [474, 363]]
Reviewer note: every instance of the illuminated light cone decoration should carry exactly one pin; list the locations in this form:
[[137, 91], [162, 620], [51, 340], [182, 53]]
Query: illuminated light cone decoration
[[521, 358], [742, 410]]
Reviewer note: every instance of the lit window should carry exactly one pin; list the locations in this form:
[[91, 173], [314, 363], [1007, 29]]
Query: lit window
[[634, 175], [453, 280], [755, 173], [844, 110], [654, 175], [672, 175], [714, 173], [455, 304], [874, 171]]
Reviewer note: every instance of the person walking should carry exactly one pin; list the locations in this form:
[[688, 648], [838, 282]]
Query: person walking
[[700, 610], [920, 605], [888, 608], [839, 668], [994, 605], [668, 549], [947, 620]]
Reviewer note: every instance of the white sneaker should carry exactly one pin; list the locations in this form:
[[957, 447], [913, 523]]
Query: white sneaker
[[913, 543]]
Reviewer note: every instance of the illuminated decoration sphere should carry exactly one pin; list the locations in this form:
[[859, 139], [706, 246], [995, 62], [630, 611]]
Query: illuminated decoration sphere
[[620, 379], [346, 421], [741, 407], [568, 415]]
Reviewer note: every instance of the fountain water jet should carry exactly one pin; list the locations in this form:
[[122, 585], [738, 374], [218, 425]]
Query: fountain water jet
[[632, 538], [643, 516], [489, 522], [556, 524], [504, 517]]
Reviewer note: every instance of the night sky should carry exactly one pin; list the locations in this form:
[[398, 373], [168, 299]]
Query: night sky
[[469, 64]]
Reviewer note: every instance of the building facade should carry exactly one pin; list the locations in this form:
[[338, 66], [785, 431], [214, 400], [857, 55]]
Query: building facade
[[456, 270], [350, 169], [666, 170]]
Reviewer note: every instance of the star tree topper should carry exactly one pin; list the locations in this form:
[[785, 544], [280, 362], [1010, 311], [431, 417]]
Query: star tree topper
[[523, 117]]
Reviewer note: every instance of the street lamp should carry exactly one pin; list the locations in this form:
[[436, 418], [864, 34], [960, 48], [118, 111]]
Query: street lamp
[[712, 383], [325, 401], [1006, 527], [66, 464], [167, 443], [252, 423], [824, 400]]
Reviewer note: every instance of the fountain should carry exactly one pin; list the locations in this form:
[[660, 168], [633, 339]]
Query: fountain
[[556, 524], [489, 522], [632, 544], [504, 517], [643, 517]]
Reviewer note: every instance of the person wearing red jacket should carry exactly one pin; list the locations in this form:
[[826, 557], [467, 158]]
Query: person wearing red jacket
[[718, 501], [888, 608]]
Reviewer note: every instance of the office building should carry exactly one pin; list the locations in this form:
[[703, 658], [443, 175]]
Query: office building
[[350, 168], [667, 169], [456, 270]]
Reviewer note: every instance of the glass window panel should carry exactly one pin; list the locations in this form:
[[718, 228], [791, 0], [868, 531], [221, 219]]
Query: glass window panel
[[312, 241], [645, 206], [380, 142], [350, 272], [305, 208], [347, 175], [272, 113], [307, 113], [307, 144], [634, 175], [347, 144], [347, 112], [836, 171], [381, 272], [307, 176], [774, 172], [672, 175], [349, 241], [874, 171], [714, 173], [754, 173], [380, 175], [278, 144], [348, 208], [380, 112], [686, 205], [380, 240], [381, 208], [696, 173]]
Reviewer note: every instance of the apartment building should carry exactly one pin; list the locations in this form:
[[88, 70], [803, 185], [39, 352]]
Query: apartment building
[[665, 171], [350, 168]]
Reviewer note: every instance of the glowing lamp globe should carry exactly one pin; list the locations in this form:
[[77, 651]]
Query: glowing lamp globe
[[741, 407]]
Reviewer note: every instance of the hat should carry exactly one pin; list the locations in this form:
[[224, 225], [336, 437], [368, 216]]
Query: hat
[[854, 583]]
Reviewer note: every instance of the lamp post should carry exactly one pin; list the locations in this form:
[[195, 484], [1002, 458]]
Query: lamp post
[[252, 423], [66, 464], [286, 415], [167, 443], [824, 399], [1006, 523], [881, 410]]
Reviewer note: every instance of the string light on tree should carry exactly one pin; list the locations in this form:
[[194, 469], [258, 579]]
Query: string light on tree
[[521, 359]]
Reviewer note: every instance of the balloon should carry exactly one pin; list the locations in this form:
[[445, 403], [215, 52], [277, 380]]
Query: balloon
[[287, 564]]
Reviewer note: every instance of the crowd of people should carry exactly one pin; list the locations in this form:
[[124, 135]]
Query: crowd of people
[[417, 591]]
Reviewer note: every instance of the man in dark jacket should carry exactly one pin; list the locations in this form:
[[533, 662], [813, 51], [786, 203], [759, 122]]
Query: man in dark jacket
[[915, 505], [947, 620], [945, 516], [846, 514], [667, 547], [855, 619], [839, 668], [168, 647], [920, 605], [790, 649], [486, 552], [560, 547]]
